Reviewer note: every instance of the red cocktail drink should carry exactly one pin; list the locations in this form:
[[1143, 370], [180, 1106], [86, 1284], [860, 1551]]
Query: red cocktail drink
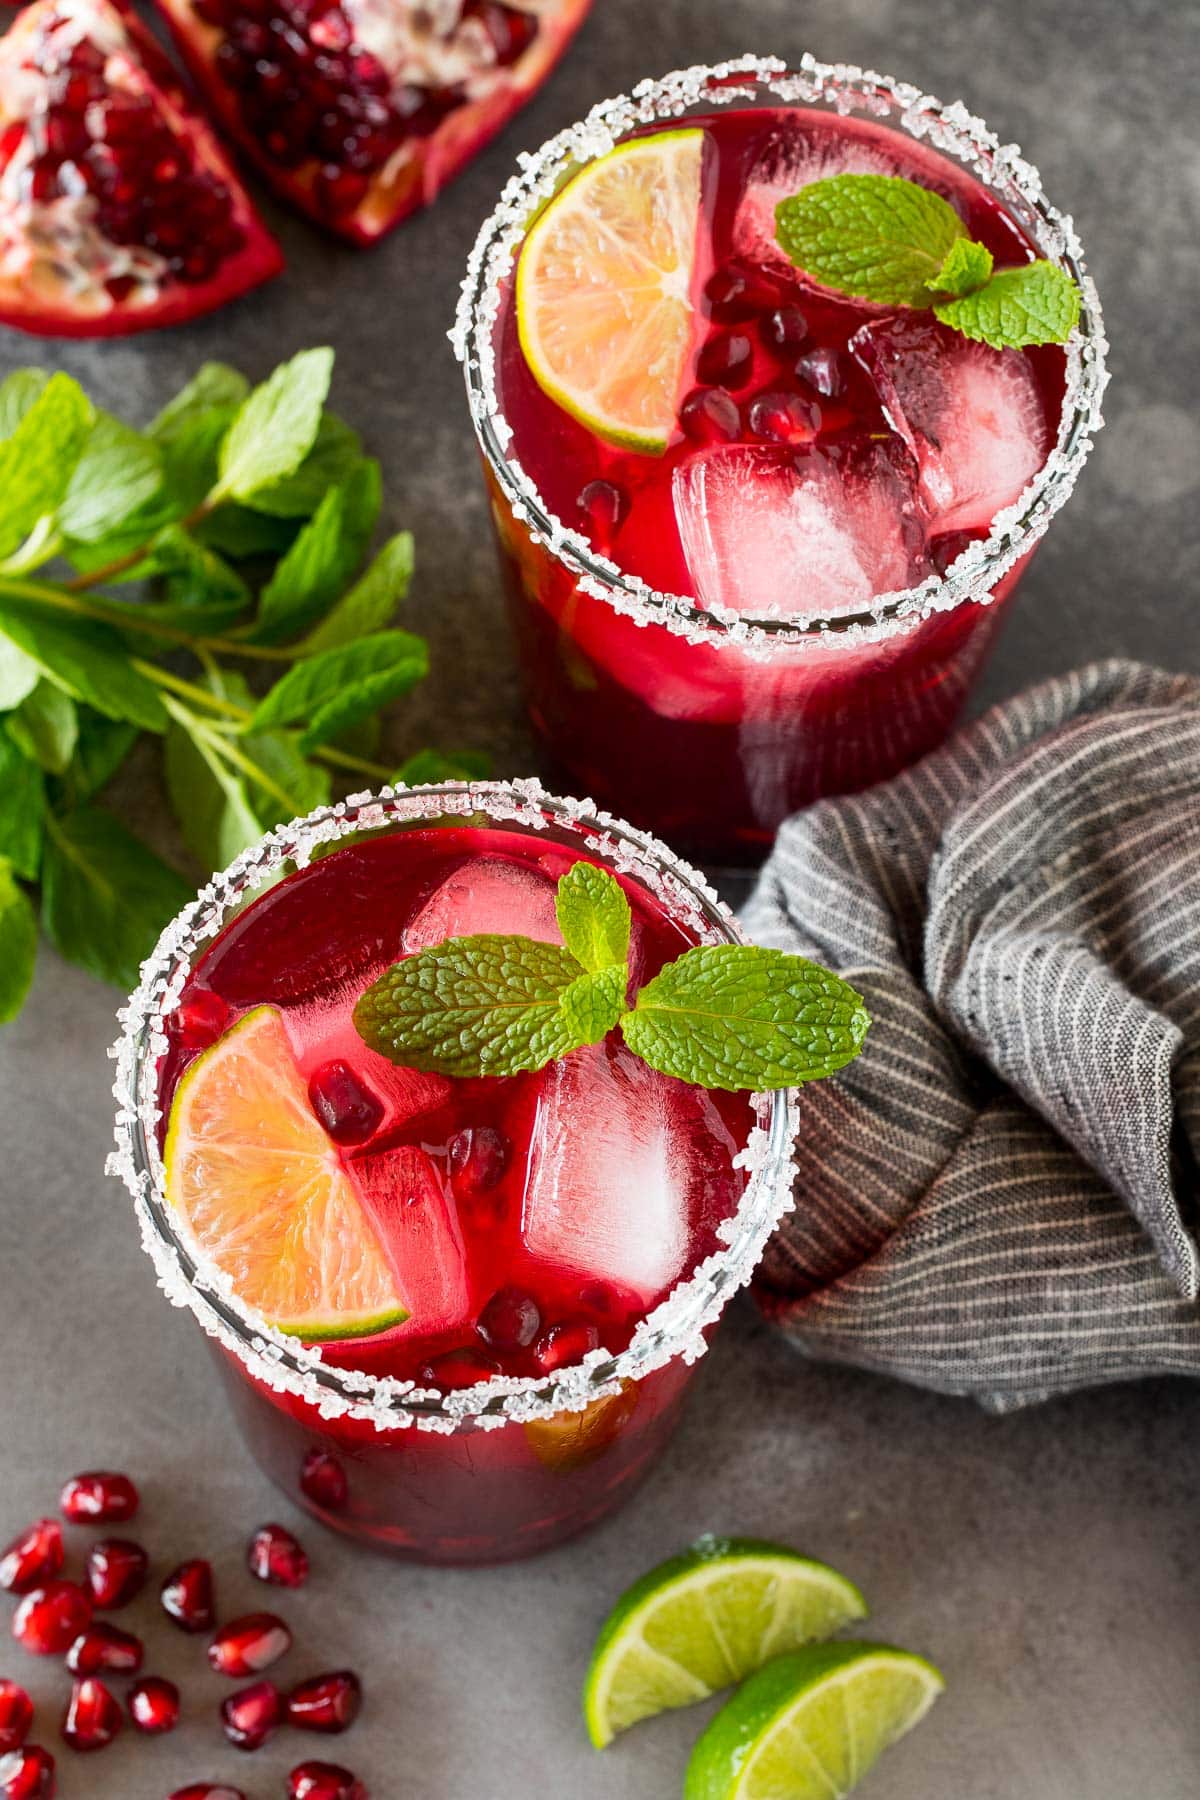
[[789, 593]]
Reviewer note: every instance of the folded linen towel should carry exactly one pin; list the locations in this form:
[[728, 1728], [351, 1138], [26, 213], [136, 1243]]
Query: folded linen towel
[[998, 1197]]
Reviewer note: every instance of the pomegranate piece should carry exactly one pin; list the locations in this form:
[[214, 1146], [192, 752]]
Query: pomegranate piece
[[324, 1781], [726, 361], [276, 1557], [510, 1320], [93, 1717], [568, 1342], [206, 1790], [188, 1596], [458, 1369], [153, 1706], [252, 1715], [33, 1558], [328, 1703], [323, 1481], [99, 1498], [105, 1648], [822, 369], [785, 329], [478, 1157], [16, 1715], [116, 1570], [346, 1107], [27, 1774], [50, 1618], [784, 418], [359, 111], [249, 1645], [711, 416], [199, 1020], [118, 208]]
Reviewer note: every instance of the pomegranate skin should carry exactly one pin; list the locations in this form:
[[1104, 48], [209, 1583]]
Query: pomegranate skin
[[27, 1774], [33, 1558]]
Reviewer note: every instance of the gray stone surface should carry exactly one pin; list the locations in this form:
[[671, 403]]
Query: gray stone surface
[[1046, 1561]]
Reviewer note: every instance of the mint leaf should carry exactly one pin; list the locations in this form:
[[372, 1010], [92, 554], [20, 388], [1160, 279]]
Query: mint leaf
[[738, 1016], [336, 451], [18, 392], [105, 896], [23, 809], [486, 1005], [87, 662], [967, 266], [1037, 303], [312, 574], [878, 237], [594, 917], [118, 472], [19, 674], [45, 727], [334, 690], [101, 748], [240, 532], [208, 796], [593, 1003], [275, 426], [18, 944], [372, 600], [196, 581], [37, 460], [429, 768], [214, 386]]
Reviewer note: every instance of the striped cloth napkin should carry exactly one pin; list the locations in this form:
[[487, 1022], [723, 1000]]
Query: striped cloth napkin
[[999, 1197]]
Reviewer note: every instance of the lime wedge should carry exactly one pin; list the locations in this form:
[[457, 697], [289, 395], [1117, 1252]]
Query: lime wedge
[[263, 1193], [604, 309], [703, 1621], [810, 1724]]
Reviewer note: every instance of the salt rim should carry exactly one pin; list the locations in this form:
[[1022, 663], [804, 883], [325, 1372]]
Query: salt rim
[[844, 88], [676, 1326]]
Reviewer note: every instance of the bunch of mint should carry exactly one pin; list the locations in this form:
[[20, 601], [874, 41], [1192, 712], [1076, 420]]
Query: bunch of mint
[[149, 582]]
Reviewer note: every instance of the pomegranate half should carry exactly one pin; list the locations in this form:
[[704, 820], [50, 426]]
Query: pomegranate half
[[118, 209], [360, 111]]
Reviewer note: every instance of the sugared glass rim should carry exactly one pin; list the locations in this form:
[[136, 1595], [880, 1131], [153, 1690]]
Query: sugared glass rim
[[843, 88], [674, 1329]]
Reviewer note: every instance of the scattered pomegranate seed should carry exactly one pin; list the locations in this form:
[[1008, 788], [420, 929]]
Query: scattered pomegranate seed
[[323, 1480], [785, 418], [33, 1558], [93, 1717], [277, 1557], [347, 1109], [249, 1645], [99, 1498], [604, 506], [822, 369], [252, 1715], [324, 1781], [105, 1648], [153, 1705], [116, 1570], [206, 1790], [510, 1320], [458, 1369], [785, 329], [567, 1343], [726, 361], [188, 1596], [711, 416], [478, 1158], [27, 1774], [49, 1619], [328, 1703], [16, 1715]]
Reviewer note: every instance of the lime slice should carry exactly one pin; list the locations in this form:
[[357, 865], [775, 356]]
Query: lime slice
[[264, 1195], [704, 1620], [603, 288], [810, 1724]]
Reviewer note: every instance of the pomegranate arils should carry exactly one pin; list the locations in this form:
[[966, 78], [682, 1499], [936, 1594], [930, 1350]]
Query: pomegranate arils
[[603, 507], [711, 416], [730, 296], [323, 1481], [566, 1343], [784, 418], [93, 1717], [105, 1647], [50, 1618], [199, 1020], [252, 1715], [478, 1158], [116, 1570], [785, 329], [347, 1109], [249, 1645], [206, 1790], [153, 1705], [324, 1781], [188, 1596], [275, 1556], [458, 1369], [16, 1715], [27, 1774], [99, 1498], [822, 369], [727, 360], [510, 1320], [328, 1703], [33, 1558]]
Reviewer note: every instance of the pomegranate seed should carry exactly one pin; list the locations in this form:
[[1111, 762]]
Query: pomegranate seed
[[105, 1647], [252, 1715], [116, 1570], [347, 1109], [711, 416], [458, 1369], [510, 1320], [154, 1705], [730, 296], [949, 546], [511, 32], [328, 1703], [50, 1618], [93, 1718], [324, 1781], [822, 369], [249, 1645], [785, 418], [206, 1790], [785, 329], [33, 1558], [188, 1596], [16, 1715], [27, 1774], [275, 1556], [726, 361], [478, 1158], [567, 1343], [99, 1498], [604, 507], [323, 1480]]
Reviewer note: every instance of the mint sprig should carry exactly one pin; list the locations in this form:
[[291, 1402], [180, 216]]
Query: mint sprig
[[888, 240], [730, 1016]]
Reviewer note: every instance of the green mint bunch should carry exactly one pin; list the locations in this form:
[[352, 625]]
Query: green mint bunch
[[730, 1016], [207, 583], [888, 240]]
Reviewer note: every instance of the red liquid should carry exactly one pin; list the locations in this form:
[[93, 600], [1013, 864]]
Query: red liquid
[[528, 1220], [825, 452]]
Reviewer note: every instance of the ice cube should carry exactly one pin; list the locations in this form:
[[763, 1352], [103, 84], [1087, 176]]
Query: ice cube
[[486, 893], [412, 1208], [812, 531], [607, 1188], [972, 416], [792, 157]]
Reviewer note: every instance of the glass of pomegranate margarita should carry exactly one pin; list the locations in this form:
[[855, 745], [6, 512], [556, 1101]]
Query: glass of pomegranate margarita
[[508, 1279], [767, 566]]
